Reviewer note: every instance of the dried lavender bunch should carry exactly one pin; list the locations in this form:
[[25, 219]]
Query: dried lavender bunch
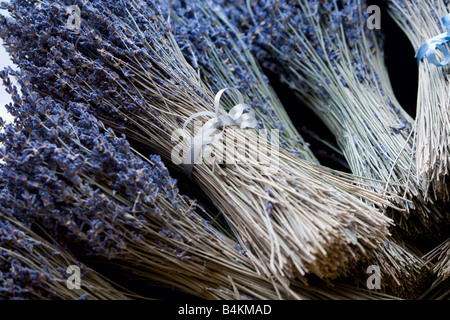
[[33, 268], [421, 20], [294, 218], [213, 46], [336, 66], [86, 186], [116, 206], [276, 38], [217, 49]]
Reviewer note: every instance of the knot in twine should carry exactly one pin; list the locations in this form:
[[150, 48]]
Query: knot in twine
[[241, 115]]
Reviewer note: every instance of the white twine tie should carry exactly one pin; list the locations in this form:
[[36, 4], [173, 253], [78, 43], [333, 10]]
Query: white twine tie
[[241, 115]]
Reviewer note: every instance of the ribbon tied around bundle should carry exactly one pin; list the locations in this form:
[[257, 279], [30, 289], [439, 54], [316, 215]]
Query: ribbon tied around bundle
[[428, 49], [241, 115]]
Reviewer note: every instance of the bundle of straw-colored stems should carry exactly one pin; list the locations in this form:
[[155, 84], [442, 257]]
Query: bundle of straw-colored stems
[[220, 66], [405, 273], [439, 261], [440, 256], [421, 21]]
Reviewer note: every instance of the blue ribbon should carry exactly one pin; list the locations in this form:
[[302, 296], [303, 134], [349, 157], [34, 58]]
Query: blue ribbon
[[241, 115], [428, 49]]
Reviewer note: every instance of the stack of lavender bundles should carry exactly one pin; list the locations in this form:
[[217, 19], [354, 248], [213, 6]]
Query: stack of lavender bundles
[[292, 217], [422, 21], [65, 172], [222, 58], [34, 268], [335, 64], [82, 183]]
